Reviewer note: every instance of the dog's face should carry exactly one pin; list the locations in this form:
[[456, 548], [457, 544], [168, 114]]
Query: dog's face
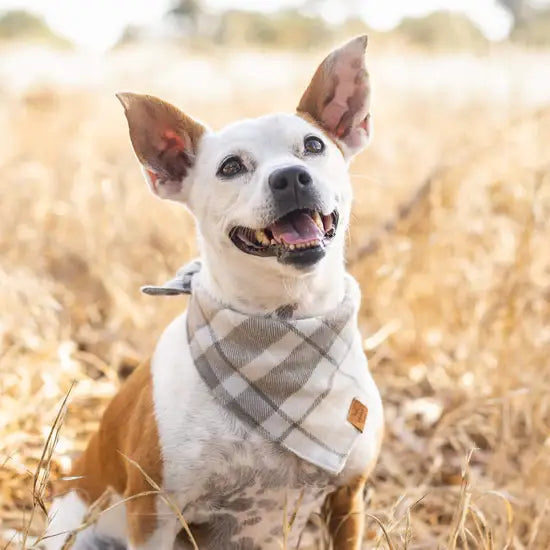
[[273, 191], [276, 187]]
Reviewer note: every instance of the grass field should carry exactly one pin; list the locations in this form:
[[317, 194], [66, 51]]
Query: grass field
[[449, 240]]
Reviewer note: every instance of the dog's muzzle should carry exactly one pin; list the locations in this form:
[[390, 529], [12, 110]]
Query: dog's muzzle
[[300, 230], [292, 188]]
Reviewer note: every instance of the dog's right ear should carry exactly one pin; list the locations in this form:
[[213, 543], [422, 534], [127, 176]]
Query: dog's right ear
[[338, 97], [165, 141]]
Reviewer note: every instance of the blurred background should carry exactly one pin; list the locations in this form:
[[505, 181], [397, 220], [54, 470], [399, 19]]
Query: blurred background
[[449, 238]]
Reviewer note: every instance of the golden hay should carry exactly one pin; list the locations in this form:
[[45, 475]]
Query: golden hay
[[449, 242]]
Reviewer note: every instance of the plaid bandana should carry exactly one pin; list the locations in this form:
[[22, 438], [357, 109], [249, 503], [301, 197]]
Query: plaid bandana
[[298, 382]]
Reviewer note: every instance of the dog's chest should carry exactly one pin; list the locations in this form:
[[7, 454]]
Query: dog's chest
[[238, 486], [255, 498]]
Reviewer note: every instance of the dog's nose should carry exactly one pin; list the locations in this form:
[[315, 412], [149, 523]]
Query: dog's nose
[[289, 180]]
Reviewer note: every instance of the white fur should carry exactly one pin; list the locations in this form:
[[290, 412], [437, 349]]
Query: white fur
[[268, 142], [67, 514]]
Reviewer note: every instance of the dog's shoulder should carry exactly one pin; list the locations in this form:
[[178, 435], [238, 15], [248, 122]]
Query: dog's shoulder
[[129, 419], [183, 403], [126, 444]]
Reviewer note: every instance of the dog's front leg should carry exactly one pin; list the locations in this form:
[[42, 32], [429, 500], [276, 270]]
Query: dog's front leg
[[151, 524], [345, 515]]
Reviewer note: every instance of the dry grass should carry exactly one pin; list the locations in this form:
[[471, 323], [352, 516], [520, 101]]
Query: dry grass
[[456, 288]]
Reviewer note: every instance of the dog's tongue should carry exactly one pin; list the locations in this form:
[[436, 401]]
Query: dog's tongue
[[296, 228]]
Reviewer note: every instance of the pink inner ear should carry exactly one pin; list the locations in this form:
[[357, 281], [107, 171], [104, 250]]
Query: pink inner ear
[[172, 141], [345, 80], [170, 162], [153, 178], [366, 124], [349, 97]]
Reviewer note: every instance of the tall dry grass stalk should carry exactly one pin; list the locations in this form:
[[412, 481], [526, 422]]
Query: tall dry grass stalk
[[449, 241]]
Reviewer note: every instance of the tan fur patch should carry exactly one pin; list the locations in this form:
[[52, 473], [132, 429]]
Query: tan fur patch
[[316, 93], [128, 428], [344, 509], [308, 118], [345, 514]]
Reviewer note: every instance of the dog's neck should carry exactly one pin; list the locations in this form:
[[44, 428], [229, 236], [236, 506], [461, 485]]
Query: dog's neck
[[259, 290]]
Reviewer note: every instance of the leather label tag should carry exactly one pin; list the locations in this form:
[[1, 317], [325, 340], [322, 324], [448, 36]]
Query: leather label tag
[[357, 414]]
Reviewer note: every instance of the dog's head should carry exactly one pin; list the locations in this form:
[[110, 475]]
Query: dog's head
[[273, 189]]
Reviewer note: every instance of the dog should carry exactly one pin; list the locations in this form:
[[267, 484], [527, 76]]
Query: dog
[[257, 408]]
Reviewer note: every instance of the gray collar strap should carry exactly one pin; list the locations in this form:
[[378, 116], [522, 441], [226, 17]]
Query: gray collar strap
[[180, 284], [300, 383]]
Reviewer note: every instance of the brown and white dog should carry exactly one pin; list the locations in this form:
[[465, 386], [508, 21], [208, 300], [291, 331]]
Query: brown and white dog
[[232, 485]]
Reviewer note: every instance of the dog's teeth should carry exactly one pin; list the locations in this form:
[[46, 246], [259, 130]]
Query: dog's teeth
[[318, 221], [273, 241], [292, 247], [327, 223], [261, 237]]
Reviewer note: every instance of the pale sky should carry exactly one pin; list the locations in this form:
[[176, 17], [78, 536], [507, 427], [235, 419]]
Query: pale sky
[[97, 24]]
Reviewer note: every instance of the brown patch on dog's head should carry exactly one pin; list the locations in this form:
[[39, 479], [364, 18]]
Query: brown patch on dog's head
[[309, 118]]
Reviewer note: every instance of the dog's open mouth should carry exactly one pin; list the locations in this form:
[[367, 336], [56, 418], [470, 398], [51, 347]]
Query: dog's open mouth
[[299, 237]]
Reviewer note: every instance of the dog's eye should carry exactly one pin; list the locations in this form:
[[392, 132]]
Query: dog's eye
[[313, 145], [231, 166]]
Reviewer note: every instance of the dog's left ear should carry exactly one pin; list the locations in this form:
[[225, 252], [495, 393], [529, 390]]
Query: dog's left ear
[[337, 97], [165, 141]]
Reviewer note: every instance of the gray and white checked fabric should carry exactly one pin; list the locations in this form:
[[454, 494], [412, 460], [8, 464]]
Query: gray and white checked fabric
[[292, 380]]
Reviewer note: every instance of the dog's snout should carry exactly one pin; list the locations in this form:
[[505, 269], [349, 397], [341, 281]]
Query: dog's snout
[[289, 179], [292, 188]]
